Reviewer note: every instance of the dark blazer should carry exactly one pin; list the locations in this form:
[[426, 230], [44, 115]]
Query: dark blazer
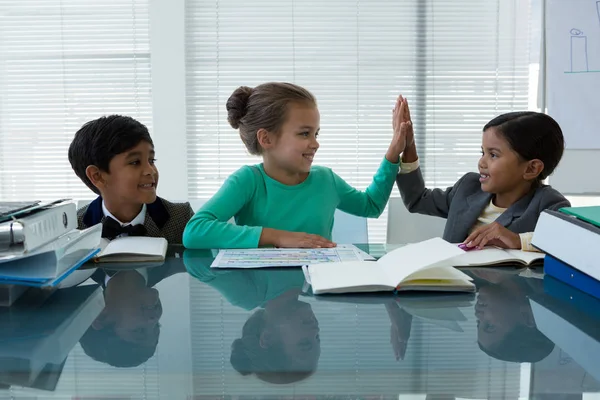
[[163, 218], [463, 203]]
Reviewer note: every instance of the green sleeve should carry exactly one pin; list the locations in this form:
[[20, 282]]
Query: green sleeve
[[372, 201], [209, 227]]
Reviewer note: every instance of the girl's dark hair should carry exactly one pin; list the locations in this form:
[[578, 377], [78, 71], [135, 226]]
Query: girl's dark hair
[[265, 106], [269, 364], [532, 135]]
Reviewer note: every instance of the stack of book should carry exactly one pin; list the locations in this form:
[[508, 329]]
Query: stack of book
[[40, 245], [571, 239]]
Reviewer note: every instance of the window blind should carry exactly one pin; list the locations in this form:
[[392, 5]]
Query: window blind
[[458, 64], [63, 63]]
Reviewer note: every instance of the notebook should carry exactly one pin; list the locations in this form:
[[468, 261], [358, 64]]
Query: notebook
[[418, 266], [494, 256], [133, 249], [589, 214]]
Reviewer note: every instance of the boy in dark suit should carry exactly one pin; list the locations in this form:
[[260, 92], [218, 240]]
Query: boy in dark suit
[[114, 156], [127, 331]]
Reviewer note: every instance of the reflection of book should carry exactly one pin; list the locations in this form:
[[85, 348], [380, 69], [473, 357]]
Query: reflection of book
[[130, 249], [37, 333], [439, 309], [415, 266], [570, 327]]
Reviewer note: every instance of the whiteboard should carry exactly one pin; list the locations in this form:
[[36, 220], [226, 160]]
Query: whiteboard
[[573, 69]]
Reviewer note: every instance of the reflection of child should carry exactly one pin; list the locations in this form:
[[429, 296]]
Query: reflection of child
[[126, 332], [506, 329], [280, 342], [400, 329]]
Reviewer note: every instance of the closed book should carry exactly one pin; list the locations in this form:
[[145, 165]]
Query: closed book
[[569, 239], [572, 276]]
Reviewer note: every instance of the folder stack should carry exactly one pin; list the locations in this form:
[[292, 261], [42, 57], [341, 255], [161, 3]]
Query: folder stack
[[40, 245], [570, 238]]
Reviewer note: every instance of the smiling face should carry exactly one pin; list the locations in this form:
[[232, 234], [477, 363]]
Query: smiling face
[[132, 177], [294, 147], [500, 167]]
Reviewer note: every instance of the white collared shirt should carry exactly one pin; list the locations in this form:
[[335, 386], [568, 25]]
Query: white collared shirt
[[139, 219]]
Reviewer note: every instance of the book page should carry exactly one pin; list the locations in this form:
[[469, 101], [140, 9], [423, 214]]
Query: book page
[[354, 274], [136, 245], [486, 256], [438, 273], [527, 257], [406, 260]]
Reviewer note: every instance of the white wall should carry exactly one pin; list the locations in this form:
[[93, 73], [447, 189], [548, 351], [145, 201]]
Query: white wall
[[167, 47]]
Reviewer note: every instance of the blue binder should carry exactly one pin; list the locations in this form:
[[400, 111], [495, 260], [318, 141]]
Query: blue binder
[[571, 276], [572, 296]]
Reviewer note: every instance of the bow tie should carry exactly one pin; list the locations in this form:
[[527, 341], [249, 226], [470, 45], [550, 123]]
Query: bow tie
[[111, 229]]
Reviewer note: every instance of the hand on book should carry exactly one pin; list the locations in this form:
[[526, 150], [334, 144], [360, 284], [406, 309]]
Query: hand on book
[[493, 234], [400, 329]]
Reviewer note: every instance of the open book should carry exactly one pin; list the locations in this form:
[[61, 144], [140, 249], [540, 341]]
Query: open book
[[494, 256], [133, 249], [415, 266]]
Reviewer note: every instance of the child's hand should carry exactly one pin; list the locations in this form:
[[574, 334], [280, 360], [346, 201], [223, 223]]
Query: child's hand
[[403, 132], [302, 240], [493, 234], [278, 238]]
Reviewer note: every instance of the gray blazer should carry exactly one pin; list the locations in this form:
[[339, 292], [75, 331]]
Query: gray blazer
[[462, 204]]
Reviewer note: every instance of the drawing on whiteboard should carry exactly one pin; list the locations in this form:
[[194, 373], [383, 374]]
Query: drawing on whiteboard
[[578, 49], [579, 56]]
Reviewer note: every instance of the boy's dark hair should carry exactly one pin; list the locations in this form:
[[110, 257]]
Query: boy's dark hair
[[522, 344], [532, 135], [263, 107], [105, 346], [98, 141]]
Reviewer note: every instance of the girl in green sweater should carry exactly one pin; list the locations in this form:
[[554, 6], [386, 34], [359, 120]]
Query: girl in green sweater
[[286, 201]]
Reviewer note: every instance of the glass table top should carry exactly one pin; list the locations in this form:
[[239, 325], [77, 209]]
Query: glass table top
[[164, 332]]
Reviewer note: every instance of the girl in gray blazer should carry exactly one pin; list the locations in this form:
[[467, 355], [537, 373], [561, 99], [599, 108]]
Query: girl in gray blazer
[[499, 205]]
